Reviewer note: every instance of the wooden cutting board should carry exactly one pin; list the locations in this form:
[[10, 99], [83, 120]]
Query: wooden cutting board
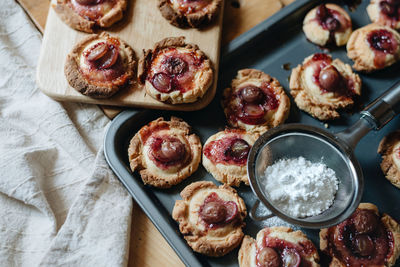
[[141, 27]]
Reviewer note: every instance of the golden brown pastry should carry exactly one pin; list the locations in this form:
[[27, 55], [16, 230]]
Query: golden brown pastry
[[255, 101], [99, 65], [327, 24], [373, 47], [175, 72], [385, 12], [389, 148], [321, 86], [225, 155], [364, 239], [165, 152], [184, 13], [210, 218], [278, 246], [86, 15]]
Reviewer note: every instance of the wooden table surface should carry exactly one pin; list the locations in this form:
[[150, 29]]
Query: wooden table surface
[[147, 247]]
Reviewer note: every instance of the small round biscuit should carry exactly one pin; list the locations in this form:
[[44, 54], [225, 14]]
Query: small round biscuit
[[86, 15], [327, 24], [321, 86], [165, 152], [210, 218], [364, 239], [225, 155], [184, 14], [175, 72], [373, 47], [385, 12], [389, 148], [255, 101], [99, 65], [278, 246]]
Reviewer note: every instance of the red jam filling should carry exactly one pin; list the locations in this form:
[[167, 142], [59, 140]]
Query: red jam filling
[[278, 252], [361, 240], [253, 103], [192, 6], [215, 212], [390, 10], [104, 63], [331, 20], [328, 78], [176, 71], [92, 10], [383, 43], [166, 151], [232, 150]]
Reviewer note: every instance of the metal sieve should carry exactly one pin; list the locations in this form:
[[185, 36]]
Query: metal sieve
[[314, 144]]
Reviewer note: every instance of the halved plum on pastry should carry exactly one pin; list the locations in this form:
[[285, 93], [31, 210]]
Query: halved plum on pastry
[[165, 152], [385, 13], [278, 246], [225, 155], [210, 218], [100, 65], [86, 15], [366, 238], [175, 72], [255, 100], [322, 85]]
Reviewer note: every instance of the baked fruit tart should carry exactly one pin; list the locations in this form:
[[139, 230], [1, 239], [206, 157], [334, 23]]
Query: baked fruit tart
[[366, 238], [225, 155], [278, 246], [189, 13], [255, 101], [385, 12], [165, 152], [327, 24], [389, 148], [373, 47], [86, 15], [175, 72], [210, 218], [322, 85], [100, 65]]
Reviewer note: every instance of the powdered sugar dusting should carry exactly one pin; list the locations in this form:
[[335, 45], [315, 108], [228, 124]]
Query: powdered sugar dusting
[[300, 188]]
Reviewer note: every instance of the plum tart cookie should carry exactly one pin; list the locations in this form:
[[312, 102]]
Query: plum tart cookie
[[321, 86], [364, 239], [100, 65], [278, 246], [210, 218], [327, 24], [165, 152], [225, 155], [175, 72], [385, 12], [254, 101], [373, 47], [389, 148], [86, 15], [184, 13]]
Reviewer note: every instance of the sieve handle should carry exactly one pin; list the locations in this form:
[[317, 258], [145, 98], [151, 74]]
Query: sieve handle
[[374, 116], [253, 213]]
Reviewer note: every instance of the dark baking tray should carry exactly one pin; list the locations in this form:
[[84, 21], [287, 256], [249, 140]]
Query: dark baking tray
[[277, 41]]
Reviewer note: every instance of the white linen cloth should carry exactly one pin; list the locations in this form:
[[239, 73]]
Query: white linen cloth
[[60, 204]]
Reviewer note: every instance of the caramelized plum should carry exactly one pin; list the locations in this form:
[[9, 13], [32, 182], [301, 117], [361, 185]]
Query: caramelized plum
[[326, 18], [322, 12], [238, 150], [268, 257], [254, 111], [213, 212], [109, 58], [363, 245], [252, 94], [365, 221], [232, 211], [175, 65], [88, 2], [329, 78], [332, 24], [290, 258], [170, 150], [162, 82], [97, 51]]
